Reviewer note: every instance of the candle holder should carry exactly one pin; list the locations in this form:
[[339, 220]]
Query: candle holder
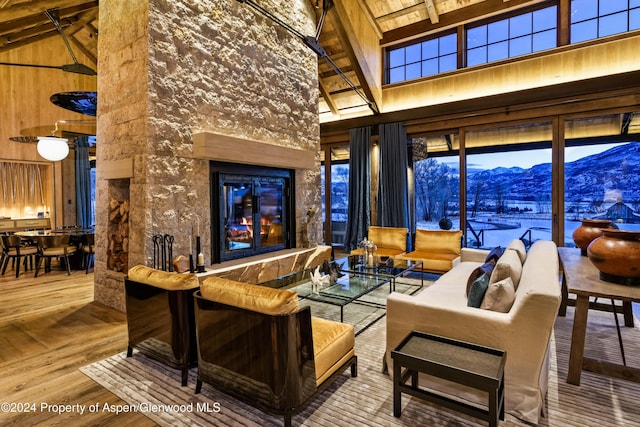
[[192, 267], [200, 261]]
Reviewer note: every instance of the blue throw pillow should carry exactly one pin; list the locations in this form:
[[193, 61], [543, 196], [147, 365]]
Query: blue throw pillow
[[495, 254], [477, 291]]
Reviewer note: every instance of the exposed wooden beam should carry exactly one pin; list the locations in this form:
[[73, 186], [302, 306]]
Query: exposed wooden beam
[[328, 98], [372, 20], [454, 18], [38, 7], [431, 10], [354, 50]]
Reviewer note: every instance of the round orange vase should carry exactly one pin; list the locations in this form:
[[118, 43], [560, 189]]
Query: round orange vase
[[589, 230], [617, 255]]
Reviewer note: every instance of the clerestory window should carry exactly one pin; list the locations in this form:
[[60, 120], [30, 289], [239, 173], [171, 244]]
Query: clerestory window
[[592, 19], [517, 35]]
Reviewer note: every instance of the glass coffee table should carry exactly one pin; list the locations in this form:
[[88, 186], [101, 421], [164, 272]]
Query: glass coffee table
[[356, 284]]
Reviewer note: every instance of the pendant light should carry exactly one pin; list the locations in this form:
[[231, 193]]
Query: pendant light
[[53, 148]]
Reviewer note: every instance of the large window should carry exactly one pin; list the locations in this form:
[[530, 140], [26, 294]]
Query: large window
[[518, 35], [339, 194], [508, 185], [602, 172], [592, 19], [426, 58], [436, 175]]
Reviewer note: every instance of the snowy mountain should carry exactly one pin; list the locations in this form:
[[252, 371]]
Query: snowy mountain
[[590, 178]]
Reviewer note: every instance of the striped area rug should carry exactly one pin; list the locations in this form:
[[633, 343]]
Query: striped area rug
[[367, 399]]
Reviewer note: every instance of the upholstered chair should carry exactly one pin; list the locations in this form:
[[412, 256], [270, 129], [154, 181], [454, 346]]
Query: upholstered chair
[[12, 249], [50, 247]]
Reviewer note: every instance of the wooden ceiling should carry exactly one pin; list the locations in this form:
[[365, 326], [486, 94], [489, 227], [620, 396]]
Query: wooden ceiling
[[23, 22]]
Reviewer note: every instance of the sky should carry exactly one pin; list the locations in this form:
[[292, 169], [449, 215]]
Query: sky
[[529, 158]]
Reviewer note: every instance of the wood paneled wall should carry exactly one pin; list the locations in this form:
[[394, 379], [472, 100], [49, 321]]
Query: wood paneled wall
[[25, 108]]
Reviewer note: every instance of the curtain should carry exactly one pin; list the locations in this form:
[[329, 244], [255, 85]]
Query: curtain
[[83, 182], [393, 209], [359, 209]]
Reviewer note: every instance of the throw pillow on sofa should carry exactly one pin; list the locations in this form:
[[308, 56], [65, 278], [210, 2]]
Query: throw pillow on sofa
[[518, 246], [508, 265], [495, 254], [477, 291], [499, 296], [487, 268]]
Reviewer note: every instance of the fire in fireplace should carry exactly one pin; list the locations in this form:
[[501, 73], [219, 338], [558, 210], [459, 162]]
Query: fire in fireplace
[[254, 212]]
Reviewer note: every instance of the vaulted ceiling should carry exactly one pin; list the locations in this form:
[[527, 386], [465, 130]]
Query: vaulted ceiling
[[347, 23]]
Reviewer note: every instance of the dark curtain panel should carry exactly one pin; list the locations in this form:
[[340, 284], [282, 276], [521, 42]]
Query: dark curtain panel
[[83, 182], [393, 185], [359, 211]]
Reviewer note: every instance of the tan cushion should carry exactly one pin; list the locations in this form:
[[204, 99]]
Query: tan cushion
[[163, 279], [331, 341], [250, 297], [499, 296], [433, 261], [445, 241], [518, 246], [507, 266], [389, 237]]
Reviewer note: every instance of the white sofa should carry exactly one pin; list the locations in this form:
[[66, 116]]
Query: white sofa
[[524, 331]]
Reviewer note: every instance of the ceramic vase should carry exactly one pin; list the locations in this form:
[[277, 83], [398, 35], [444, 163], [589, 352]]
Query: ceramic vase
[[616, 254], [588, 231]]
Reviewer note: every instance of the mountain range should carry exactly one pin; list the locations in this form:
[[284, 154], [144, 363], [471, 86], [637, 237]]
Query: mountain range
[[591, 178]]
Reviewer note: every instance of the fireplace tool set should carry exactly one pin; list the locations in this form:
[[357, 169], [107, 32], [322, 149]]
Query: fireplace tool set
[[163, 254]]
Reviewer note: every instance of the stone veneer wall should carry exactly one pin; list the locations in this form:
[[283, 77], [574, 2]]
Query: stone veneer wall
[[169, 69]]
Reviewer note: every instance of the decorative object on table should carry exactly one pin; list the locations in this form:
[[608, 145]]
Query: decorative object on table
[[445, 223], [616, 254], [333, 269], [319, 280], [162, 252], [588, 231], [200, 259], [370, 249], [181, 264]]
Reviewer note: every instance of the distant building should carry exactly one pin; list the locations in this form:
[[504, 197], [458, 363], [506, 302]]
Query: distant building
[[620, 213]]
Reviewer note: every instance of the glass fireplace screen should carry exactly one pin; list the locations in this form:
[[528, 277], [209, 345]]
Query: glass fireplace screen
[[252, 216]]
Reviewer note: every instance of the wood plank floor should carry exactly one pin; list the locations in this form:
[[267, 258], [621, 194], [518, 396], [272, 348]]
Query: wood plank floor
[[50, 327]]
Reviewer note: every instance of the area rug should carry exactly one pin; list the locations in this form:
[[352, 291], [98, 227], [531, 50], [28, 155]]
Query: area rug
[[366, 400]]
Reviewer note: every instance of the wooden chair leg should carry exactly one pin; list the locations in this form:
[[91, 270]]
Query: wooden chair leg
[[17, 267], [66, 261], [38, 262]]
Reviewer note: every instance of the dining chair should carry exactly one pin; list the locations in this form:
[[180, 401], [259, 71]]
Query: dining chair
[[88, 251], [12, 249], [49, 247]]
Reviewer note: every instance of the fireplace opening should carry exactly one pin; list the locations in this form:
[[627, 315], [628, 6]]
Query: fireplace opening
[[252, 210]]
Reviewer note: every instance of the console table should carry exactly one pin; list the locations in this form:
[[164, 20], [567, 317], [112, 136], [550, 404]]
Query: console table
[[464, 363], [582, 278]]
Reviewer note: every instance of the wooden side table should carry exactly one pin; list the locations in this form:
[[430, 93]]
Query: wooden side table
[[461, 362], [581, 277]]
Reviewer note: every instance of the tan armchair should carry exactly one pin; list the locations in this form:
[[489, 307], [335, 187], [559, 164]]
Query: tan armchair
[[390, 241], [256, 344], [439, 250]]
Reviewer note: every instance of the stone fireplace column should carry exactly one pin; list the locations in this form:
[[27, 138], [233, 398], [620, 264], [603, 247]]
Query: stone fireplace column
[[169, 70]]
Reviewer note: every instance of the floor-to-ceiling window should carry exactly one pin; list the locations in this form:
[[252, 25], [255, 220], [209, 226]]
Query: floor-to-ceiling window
[[508, 184], [437, 182], [335, 221], [602, 171]]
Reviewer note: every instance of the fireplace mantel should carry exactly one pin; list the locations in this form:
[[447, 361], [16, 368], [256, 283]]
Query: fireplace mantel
[[224, 148]]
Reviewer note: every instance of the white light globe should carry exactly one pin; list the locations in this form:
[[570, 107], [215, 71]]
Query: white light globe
[[52, 148]]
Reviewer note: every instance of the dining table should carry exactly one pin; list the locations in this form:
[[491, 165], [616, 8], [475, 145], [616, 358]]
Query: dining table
[[77, 237]]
